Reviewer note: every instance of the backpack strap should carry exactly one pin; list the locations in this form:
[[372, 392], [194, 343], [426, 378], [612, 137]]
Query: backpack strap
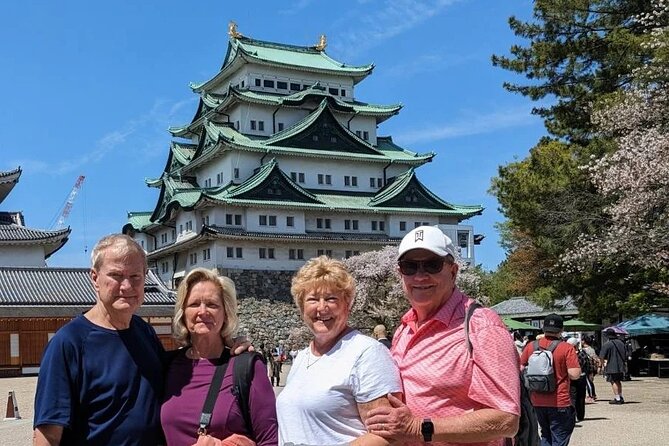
[[553, 345], [243, 375], [468, 315], [536, 346]]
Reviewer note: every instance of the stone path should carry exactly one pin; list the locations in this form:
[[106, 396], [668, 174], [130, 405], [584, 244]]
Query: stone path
[[642, 421]]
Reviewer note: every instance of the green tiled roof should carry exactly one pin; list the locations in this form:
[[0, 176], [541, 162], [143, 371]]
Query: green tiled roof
[[260, 179], [252, 192], [211, 101], [139, 221], [302, 58], [298, 98], [224, 138]]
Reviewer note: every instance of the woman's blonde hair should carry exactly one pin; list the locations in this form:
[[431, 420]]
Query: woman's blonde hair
[[322, 273], [228, 297]]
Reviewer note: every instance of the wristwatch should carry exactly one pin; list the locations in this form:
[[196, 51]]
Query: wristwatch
[[427, 429]]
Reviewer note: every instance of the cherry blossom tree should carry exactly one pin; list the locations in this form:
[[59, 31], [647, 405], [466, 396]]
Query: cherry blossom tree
[[635, 177]]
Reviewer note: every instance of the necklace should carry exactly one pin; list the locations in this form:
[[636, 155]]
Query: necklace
[[309, 355]]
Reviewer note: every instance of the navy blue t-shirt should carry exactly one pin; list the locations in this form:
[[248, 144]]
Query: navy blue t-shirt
[[103, 386]]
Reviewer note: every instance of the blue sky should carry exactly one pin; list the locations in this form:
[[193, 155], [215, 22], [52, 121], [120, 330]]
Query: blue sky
[[89, 88]]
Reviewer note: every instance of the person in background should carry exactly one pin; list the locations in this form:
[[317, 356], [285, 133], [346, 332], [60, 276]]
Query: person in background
[[519, 342], [555, 412], [593, 369], [101, 375], [278, 358], [452, 396], [342, 374], [205, 315], [578, 386], [380, 335], [612, 356], [293, 353]]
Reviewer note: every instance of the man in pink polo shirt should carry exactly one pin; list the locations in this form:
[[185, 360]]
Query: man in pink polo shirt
[[451, 396]]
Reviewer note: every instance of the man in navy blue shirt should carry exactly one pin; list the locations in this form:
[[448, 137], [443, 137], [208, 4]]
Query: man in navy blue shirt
[[101, 379]]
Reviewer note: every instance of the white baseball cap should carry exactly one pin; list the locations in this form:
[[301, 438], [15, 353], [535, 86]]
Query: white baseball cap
[[430, 238]]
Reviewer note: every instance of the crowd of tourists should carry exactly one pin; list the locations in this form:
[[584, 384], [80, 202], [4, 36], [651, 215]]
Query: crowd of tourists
[[450, 374]]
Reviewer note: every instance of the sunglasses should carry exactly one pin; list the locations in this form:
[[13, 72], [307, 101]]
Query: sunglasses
[[411, 267]]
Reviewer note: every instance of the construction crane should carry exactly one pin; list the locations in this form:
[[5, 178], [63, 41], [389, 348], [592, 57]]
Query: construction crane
[[60, 224]]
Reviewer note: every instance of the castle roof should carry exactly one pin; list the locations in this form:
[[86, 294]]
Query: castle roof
[[243, 50]]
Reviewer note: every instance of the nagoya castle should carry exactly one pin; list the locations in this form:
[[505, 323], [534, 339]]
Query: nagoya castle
[[280, 163]]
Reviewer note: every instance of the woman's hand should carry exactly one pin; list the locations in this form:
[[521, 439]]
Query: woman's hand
[[238, 440], [239, 345], [232, 440], [207, 440]]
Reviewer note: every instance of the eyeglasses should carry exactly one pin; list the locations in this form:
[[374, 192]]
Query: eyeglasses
[[411, 267]]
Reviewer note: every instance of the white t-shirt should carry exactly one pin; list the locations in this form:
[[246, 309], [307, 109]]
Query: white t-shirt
[[318, 406]]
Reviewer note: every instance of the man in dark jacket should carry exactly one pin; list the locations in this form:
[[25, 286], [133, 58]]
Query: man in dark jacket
[[613, 358]]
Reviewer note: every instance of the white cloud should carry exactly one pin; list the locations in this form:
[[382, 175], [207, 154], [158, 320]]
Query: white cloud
[[474, 124], [430, 63], [386, 20], [145, 135]]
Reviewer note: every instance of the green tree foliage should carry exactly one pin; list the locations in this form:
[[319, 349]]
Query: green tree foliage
[[577, 51]]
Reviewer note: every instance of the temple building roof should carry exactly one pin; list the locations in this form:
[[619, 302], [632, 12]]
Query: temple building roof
[[8, 180], [270, 186], [64, 286], [210, 103], [17, 234], [243, 50]]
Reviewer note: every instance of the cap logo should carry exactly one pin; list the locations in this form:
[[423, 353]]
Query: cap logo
[[418, 236]]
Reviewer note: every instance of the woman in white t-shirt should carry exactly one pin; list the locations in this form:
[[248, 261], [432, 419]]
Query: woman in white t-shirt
[[342, 374]]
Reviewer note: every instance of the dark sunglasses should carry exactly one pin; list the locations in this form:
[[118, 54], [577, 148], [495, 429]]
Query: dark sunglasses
[[411, 267]]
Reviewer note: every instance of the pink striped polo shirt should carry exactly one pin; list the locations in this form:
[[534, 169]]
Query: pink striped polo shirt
[[438, 376]]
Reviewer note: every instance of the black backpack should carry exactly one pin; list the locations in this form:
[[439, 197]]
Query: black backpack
[[528, 426]]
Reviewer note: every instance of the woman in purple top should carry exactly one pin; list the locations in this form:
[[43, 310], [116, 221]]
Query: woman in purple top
[[205, 315]]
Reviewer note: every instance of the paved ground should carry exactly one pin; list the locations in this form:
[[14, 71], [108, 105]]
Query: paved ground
[[642, 421]]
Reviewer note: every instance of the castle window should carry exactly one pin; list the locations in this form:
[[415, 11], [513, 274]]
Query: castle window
[[262, 220], [272, 220], [257, 82], [253, 125], [238, 220], [333, 91], [268, 83], [365, 135], [261, 126], [262, 253], [206, 254], [230, 252], [290, 221], [320, 178], [270, 253], [282, 85], [294, 86], [236, 172], [342, 91], [280, 126], [403, 226], [328, 179], [238, 252]]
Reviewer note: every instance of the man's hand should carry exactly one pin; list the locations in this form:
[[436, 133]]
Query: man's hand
[[239, 345], [396, 422]]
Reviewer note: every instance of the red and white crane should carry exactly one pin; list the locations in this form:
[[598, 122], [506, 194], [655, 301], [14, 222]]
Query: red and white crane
[[60, 224]]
